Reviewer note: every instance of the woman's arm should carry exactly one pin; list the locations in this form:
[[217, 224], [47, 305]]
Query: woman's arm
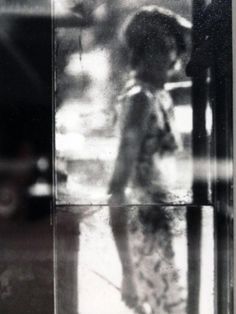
[[135, 126], [133, 132]]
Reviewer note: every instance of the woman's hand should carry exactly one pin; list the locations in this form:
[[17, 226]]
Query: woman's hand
[[117, 199]]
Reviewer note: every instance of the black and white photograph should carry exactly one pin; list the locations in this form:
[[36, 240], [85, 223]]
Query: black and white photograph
[[116, 157], [143, 134]]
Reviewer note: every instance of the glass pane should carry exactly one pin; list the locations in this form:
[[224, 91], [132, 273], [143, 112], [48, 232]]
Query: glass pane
[[92, 73], [133, 129]]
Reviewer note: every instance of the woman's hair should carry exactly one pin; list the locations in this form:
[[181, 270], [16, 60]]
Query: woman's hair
[[154, 27]]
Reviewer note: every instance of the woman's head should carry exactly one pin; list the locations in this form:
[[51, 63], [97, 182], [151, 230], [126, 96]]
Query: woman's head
[[155, 38]]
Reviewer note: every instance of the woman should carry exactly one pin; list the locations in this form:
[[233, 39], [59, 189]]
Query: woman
[[154, 38]]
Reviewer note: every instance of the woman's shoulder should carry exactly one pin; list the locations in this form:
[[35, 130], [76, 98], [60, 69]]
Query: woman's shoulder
[[135, 93]]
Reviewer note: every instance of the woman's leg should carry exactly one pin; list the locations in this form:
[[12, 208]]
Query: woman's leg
[[119, 225]]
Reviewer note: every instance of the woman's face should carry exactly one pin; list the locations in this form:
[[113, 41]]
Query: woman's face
[[160, 57], [162, 60]]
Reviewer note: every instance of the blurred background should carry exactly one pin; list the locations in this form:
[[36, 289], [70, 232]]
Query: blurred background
[[26, 232]]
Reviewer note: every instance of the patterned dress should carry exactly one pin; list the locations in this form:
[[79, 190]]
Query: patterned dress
[[152, 226]]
